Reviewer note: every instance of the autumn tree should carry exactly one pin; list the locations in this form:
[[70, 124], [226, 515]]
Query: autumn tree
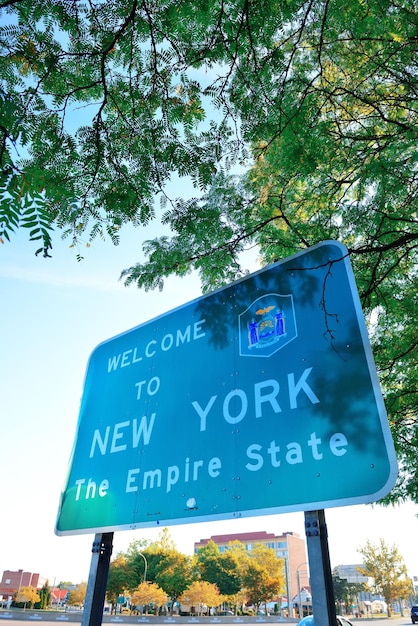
[[267, 558], [264, 578], [241, 554], [27, 595], [77, 596], [175, 574], [137, 563], [120, 579], [238, 600], [148, 594], [315, 102], [260, 586], [166, 566], [222, 569], [201, 594], [387, 568]]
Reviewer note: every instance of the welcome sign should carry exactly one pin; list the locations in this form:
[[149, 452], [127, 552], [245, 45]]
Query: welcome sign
[[258, 398]]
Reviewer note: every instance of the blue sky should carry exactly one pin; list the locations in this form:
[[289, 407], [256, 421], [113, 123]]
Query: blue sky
[[54, 312]]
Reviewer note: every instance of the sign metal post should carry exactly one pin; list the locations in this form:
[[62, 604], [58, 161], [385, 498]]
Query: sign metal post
[[97, 581], [323, 600]]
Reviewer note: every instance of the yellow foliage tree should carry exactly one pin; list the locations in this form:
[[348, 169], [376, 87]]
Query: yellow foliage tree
[[267, 558], [77, 596], [238, 600], [27, 594], [149, 593], [386, 566], [201, 594]]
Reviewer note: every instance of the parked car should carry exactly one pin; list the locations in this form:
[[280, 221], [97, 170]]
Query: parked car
[[341, 621], [414, 614]]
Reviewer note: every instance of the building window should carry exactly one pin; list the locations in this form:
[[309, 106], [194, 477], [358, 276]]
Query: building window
[[7, 581]]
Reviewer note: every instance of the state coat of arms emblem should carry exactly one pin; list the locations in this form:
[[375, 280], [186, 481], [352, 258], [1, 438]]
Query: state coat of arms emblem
[[267, 325]]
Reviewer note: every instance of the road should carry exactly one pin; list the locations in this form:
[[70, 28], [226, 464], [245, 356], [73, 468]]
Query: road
[[378, 621]]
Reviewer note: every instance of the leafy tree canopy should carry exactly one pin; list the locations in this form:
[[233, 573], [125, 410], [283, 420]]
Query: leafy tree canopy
[[267, 558], [77, 596], [201, 593], [165, 565], [387, 568], [120, 579], [260, 585], [44, 595], [345, 592], [175, 574], [219, 568], [102, 104], [148, 593], [27, 595]]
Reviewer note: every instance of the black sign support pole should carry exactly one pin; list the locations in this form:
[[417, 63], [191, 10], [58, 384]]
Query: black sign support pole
[[323, 601], [96, 586]]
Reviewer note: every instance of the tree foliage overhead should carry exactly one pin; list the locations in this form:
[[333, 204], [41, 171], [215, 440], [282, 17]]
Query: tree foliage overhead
[[102, 104]]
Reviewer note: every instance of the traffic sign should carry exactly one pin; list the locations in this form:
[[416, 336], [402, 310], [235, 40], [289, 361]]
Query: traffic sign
[[258, 398]]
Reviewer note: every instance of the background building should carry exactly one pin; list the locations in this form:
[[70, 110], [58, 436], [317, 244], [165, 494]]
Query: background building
[[351, 573], [59, 596], [11, 582], [288, 546]]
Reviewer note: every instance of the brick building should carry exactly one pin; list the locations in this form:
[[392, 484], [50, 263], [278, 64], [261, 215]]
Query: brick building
[[289, 546], [11, 582]]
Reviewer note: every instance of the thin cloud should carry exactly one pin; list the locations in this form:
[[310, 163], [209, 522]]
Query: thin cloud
[[57, 279]]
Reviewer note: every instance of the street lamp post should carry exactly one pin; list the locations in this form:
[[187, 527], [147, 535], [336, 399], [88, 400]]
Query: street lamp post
[[145, 575], [145, 566], [288, 592], [299, 589]]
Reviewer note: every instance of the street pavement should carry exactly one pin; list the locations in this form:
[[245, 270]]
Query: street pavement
[[379, 621]]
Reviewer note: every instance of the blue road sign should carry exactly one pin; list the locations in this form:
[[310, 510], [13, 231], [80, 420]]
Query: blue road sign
[[258, 398]]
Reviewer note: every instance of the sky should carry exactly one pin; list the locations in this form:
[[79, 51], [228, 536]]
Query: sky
[[53, 313]]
